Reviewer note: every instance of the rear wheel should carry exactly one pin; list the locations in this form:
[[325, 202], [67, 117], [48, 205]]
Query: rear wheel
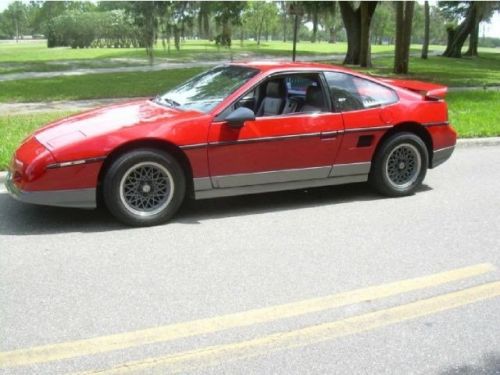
[[144, 187], [400, 165]]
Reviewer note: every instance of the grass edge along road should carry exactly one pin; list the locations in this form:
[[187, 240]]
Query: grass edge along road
[[66, 350]]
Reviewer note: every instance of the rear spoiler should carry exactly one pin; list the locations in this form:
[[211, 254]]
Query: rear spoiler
[[430, 91]]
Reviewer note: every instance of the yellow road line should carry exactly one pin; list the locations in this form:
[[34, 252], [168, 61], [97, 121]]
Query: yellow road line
[[59, 351], [207, 356]]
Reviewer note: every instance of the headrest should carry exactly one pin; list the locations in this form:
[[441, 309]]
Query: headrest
[[314, 96], [275, 89]]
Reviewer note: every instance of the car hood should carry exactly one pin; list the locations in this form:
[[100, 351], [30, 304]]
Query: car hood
[[107, 120]]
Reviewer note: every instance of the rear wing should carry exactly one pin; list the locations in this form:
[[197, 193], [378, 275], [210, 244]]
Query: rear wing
[[430, 91]]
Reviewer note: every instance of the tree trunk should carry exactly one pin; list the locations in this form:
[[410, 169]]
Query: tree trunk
[[367, 9], [283, 7], [458, 36], [177, 37], [404, 20], [425, 45], [473, 40], [333, 35], [259, 30], [357, 24], [352, 23], [332, 29], [200, 24], [17, 29], [315, 21]]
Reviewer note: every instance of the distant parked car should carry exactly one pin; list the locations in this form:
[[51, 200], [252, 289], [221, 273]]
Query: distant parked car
[[240, 128]]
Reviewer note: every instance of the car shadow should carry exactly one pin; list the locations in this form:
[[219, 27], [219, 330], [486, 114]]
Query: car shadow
[[489, 365], [17, 218]]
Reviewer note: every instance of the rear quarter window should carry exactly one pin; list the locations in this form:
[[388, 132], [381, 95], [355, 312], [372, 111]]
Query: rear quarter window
[[350, 93]]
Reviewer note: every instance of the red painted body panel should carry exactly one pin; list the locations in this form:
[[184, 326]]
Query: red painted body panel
[[215, 147], [234, 156]]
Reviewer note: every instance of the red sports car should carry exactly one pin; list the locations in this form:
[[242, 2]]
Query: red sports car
[[240, 128]]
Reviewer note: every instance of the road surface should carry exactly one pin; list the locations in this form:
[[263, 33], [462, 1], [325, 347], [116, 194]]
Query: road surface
[[328, 280]]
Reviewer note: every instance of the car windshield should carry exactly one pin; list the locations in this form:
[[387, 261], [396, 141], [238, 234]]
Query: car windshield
[[206, 90]]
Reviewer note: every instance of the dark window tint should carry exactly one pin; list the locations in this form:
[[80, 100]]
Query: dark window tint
[[351, 93]]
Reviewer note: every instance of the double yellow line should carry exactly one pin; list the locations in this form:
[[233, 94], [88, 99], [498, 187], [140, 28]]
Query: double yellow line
[[278, 341]]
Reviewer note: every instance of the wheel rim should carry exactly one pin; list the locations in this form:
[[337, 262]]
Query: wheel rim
[[146, 188], [403, 166]]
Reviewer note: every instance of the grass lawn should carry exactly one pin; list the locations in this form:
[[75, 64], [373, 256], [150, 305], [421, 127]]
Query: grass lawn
[[34, 56], [466, 71], [480, 71], [90, 86], [475, 113], [36, 50], [471, 113]]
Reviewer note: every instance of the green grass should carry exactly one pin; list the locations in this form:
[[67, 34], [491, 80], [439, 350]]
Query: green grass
[[466, 71], [13, 129], [32, 51], [470, 113], [480, 71], [475, 113], [106, 85]]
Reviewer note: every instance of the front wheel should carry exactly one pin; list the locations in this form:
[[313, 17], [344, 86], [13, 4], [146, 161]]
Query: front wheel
[[144, 187], [400, 165]]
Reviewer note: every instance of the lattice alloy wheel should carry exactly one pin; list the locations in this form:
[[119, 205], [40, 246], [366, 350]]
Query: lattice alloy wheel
[[403, 165], [144, 187], [400, 164]]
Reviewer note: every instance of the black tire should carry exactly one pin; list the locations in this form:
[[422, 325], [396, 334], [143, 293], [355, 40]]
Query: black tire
[[400, 165], [144, 187]]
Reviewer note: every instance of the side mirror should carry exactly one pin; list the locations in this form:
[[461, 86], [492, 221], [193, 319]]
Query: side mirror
[[237, 118]]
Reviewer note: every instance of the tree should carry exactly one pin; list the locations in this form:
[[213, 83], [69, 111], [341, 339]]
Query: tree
[[357, 22], [16, 20], [313, 9], [144, 14], [204, 20], [425, 44], [404, 19], [328, 17], [383, 24], [259, 17], [284, 14], [473, 13], [227, 13]]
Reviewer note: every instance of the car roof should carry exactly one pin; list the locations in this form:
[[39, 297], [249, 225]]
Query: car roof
[[288, 65]]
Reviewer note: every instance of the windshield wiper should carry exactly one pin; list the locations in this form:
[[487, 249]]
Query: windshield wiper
[[172, 103]]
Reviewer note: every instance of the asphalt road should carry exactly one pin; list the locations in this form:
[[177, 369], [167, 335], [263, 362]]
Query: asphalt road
[[68, 275]]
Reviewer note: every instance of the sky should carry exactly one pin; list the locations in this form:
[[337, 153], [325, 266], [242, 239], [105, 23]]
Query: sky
[[491, 29]]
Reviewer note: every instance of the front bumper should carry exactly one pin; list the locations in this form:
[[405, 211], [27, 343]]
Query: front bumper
[[441, 155], [78, 198]]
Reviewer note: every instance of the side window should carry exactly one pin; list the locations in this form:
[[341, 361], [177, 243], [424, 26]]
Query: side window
[[297, 85], [351, 93]]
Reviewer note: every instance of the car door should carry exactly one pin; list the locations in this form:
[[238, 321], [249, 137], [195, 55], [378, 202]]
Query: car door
[[278, 148]]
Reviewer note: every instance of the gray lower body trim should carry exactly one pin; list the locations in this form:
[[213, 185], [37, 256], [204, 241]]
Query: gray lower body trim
[[202, 183], [441, 155], [290, 179], [270, 177], [78, 198], [265, 188], [351, 169]]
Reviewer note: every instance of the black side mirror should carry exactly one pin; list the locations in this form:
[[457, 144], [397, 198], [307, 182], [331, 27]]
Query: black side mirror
[[238, 117]]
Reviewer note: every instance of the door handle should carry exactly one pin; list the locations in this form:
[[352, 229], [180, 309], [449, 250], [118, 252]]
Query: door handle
[[329, 135]]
